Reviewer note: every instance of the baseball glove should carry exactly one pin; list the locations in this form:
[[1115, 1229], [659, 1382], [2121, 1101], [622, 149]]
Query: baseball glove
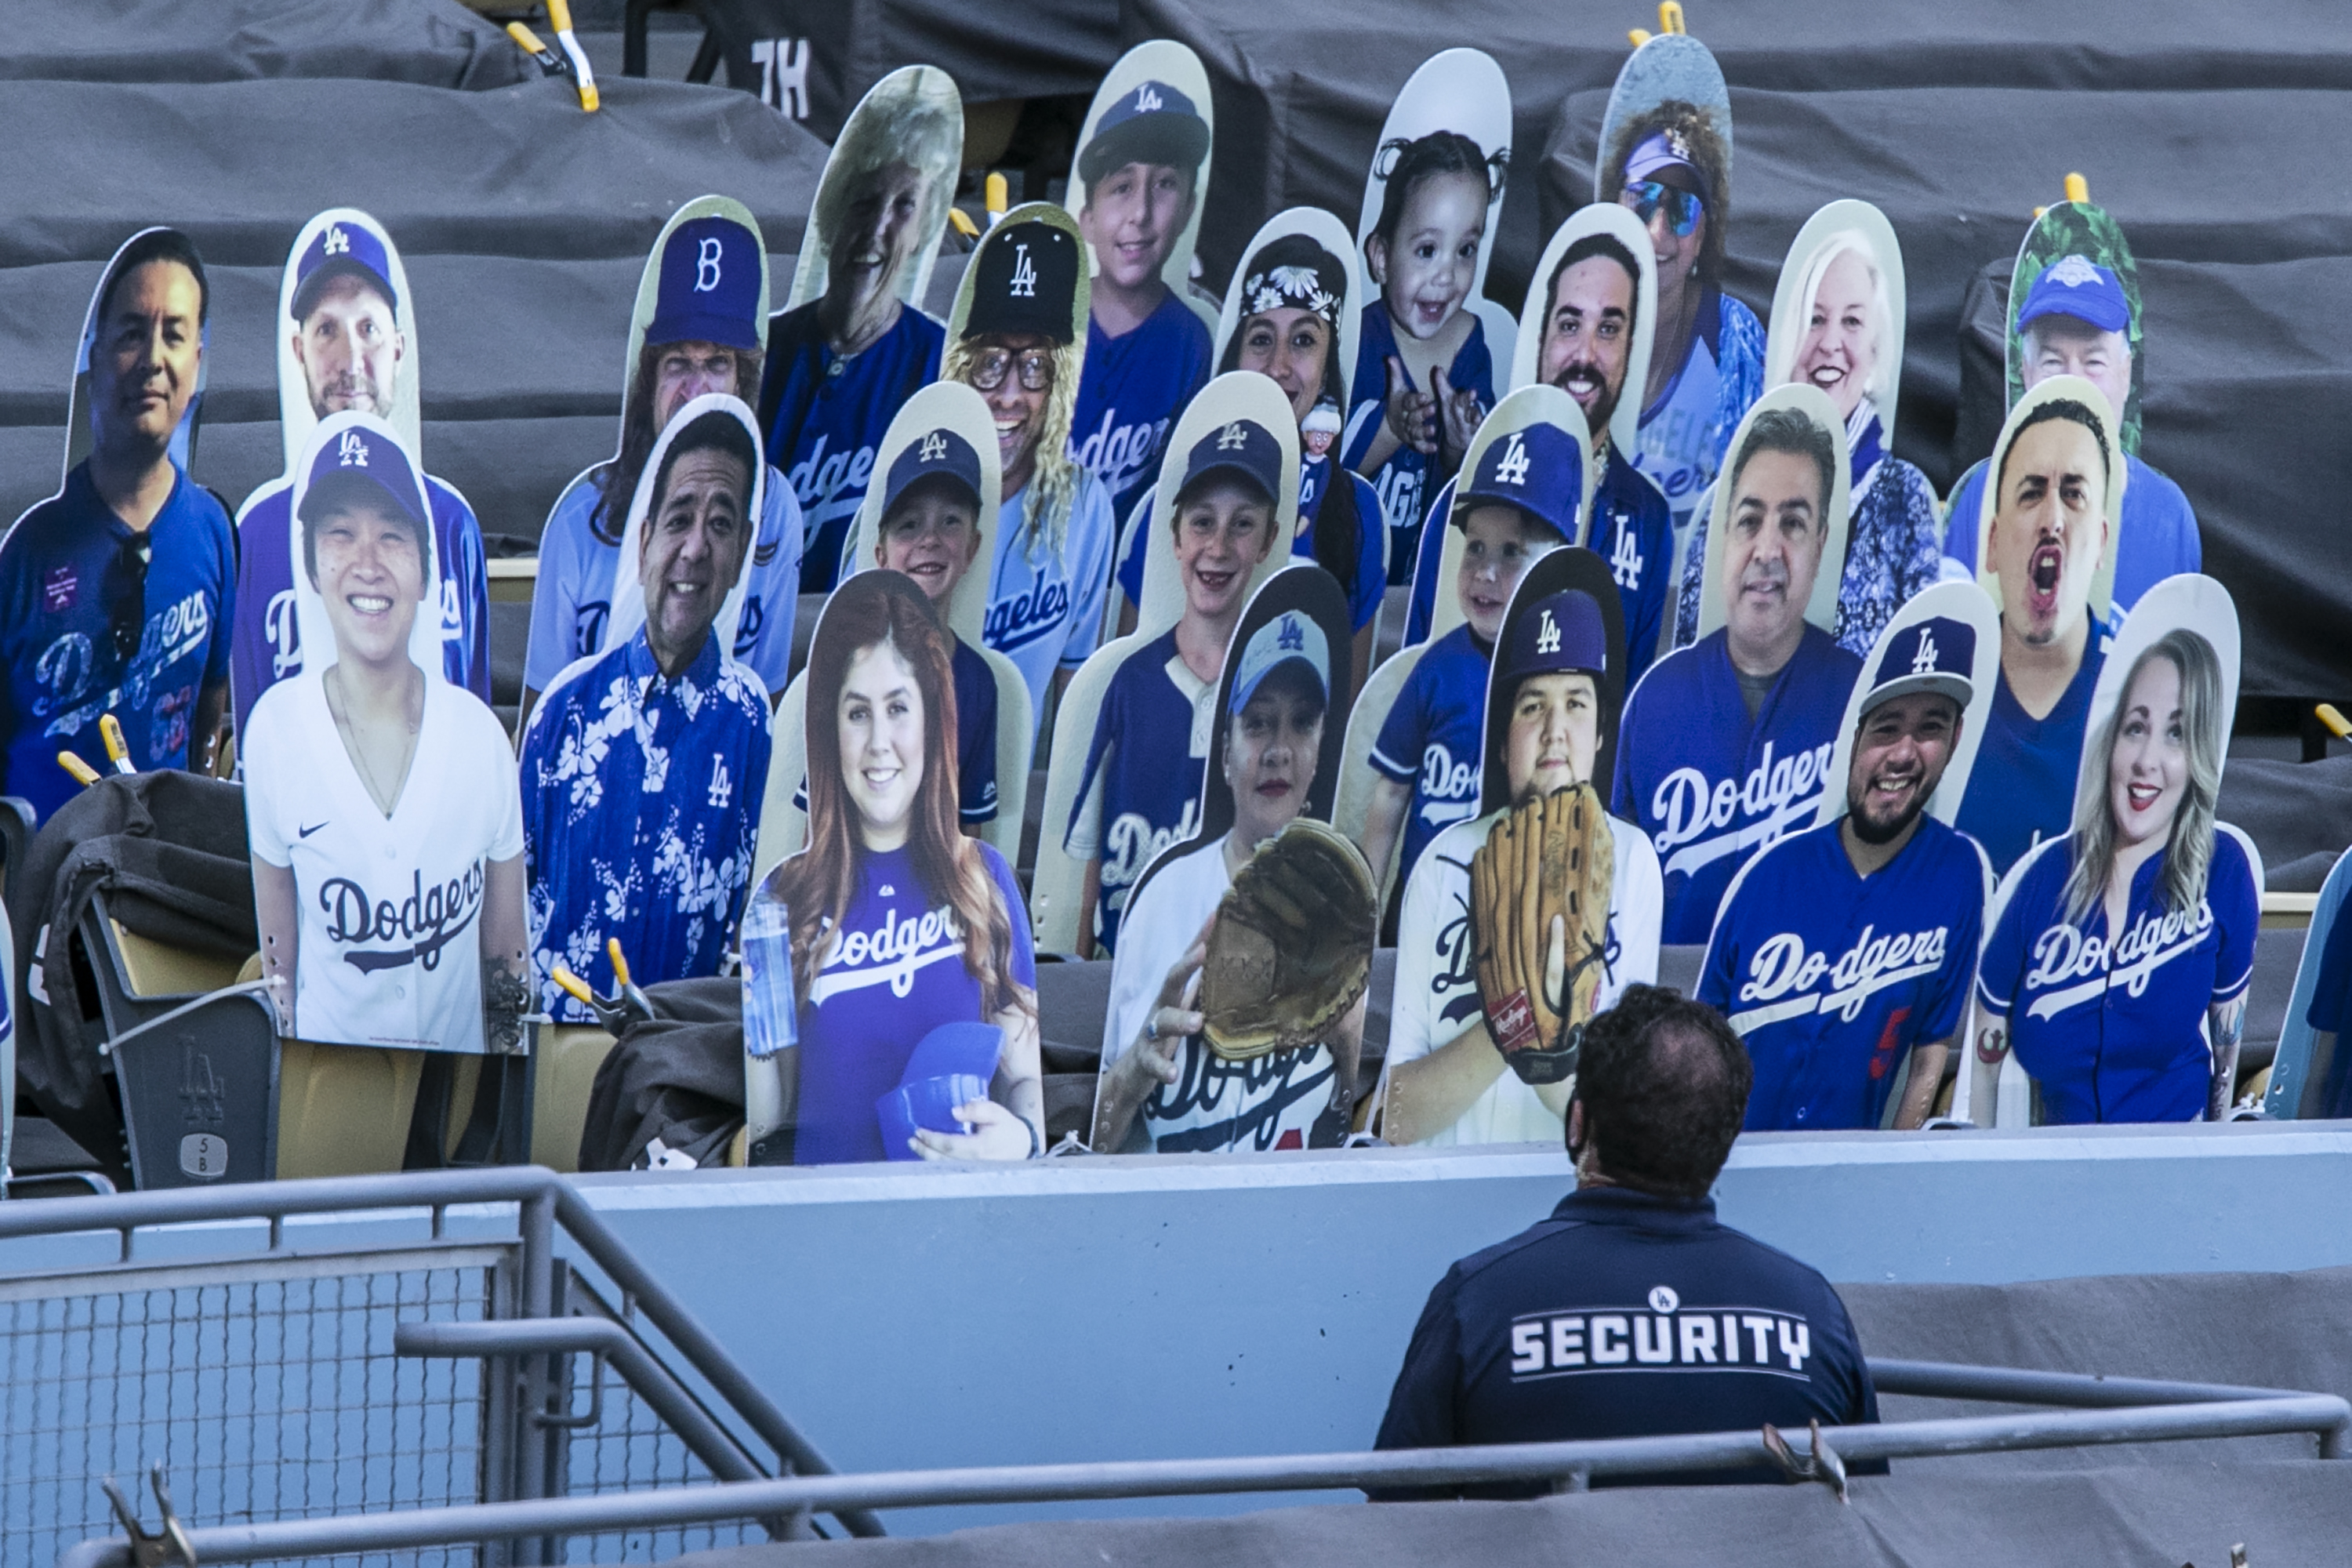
[[1292, 947], [1549, 861]]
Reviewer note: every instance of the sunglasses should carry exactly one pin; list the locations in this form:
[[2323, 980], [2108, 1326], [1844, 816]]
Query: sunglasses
[[127, 593], [989, 371], [1646, 197]]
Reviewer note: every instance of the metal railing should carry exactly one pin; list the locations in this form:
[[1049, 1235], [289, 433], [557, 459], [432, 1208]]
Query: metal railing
[[2104, 1411], [432, 1370]]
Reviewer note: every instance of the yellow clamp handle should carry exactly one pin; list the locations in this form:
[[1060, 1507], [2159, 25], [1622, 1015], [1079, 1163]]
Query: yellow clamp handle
[[529, 42], [559, 16], [1640, 35], [619, 964], [2333, 717], [84, 774], [996, 195], [2078, 189], [1670, 17], [575, 984], [117, 749], [963, 224]]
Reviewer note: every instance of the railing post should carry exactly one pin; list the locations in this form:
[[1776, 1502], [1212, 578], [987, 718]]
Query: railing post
[[534, 1441]]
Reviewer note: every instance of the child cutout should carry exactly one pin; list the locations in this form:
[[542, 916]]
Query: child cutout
[[1137, 793], [1551, 725], [2118, 958], [1524, 499], [898, 922], [1161, 1088]]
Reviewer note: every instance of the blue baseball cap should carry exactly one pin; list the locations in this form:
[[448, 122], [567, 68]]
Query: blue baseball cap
[[365, 464], [1535, 469], [709, 289], [1937, 655], [938, 454], [1560, 633], [342, 250], [952, 1066], [1289, 638], [1153, 122], [2076, 286], [1241, 446]]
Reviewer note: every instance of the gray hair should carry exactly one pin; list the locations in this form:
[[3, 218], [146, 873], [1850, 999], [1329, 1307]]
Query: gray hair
[[2189, 851], [910, 123]]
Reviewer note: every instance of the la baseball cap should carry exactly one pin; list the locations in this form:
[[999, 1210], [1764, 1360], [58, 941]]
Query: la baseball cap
[[1241, 446], [1023, 281], [952, 1066], [938, 454], [342, 250], [1936, 655], [710, 288], [1560, 633], [1535, 469], [1290, 637], [1665, 149], [365, 464], [1150, 123], [2078, 287]]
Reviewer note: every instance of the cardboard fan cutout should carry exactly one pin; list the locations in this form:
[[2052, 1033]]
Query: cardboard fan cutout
[[1152, 116], [1667, 67], [2073, 243], [2308, 1077], [1947, 611], [82, 414], [886, 190], [628, 589], [1528, 351], [2101, 588], [1461, 93], [2195, 604], [1517, 412], [1838, 315], [1563, 571], [952, 408], [381, 801], [1822, 606], [1259, 284], [1236, 395]]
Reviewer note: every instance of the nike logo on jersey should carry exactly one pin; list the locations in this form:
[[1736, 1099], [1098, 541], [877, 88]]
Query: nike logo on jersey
[[891, 954], [1692, 813], [306, 832], [830, 485], [1035, 612], [2065, 951], [427, 920], [1785, 979], [1118, 455], [1601, 1339]]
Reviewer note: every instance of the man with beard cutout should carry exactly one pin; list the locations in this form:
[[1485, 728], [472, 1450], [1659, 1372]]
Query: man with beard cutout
[[2047, 537], [1844, 953]]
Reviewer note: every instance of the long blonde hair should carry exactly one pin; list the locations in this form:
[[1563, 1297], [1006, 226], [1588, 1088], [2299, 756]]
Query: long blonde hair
[[2188, 850], [1054, 486]]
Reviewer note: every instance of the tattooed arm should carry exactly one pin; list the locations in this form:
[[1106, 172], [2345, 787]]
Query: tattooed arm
[[2227, 1024]]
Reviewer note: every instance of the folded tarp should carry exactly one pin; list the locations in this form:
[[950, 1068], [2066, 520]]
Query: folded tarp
[[433, 42]]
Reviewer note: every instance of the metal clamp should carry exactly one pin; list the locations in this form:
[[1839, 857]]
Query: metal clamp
[[1822, 1465], [152, 1551]]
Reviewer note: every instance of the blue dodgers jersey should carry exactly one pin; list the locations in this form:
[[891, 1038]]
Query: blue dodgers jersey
[[1129, 394], [1433, 738], [1402, 482], [1709, 784], [2111, 1027], [975, 695], [828, 459], [640, 815], [894, 971], [1429, 552], [2159, 536], [1686, 428], [2021, 790], [1045, 606], [1624, 1315], [1143, 760], [570, 600], [1831, 978], [1633, 530], [59, 586], [266, 644], [1366, 594]]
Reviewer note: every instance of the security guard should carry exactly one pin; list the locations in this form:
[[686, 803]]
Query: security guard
[[1632, 1311]]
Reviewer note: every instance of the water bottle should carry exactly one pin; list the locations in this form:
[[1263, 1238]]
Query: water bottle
[[768, 1022]]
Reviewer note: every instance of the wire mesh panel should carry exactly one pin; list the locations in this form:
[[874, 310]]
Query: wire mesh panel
[[266, 1388]]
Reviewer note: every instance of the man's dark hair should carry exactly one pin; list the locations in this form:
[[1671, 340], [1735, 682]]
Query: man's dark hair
[[159, 245], [1664, 1083], [1786, 430], [717, 431], [2082, 414], [1585, 249]]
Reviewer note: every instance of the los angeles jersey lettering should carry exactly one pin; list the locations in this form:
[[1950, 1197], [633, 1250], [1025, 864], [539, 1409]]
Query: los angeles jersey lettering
[[1832, 978], [1139, 793], [1129, 394], [1432, 740], [1045, 603], [2110, 1025], [1709, 784]]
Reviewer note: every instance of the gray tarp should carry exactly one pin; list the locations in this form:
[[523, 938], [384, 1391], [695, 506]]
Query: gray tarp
[[434, 43], [2153, 1506]]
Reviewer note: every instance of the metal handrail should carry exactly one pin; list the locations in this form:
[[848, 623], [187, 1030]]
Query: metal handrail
[[545, 1199], [2021, 1385], [1574, 1463]]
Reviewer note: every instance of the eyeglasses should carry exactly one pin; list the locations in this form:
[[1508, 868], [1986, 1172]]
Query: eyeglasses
[[989, 371], [126, 592], [1683, 208]]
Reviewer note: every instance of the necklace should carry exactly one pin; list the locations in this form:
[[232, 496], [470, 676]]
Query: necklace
[[385, 800]]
